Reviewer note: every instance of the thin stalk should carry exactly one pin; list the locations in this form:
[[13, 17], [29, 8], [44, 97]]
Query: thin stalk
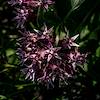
[[37, 20]]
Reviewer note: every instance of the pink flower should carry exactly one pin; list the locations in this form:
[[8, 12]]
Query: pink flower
[[21, 17], [69, 42], [46, 3], [25, 8], [32, 3], [43, 61], [15, 2]]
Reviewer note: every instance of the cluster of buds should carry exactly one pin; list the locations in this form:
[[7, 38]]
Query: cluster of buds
[[25, 7], [43, 61]]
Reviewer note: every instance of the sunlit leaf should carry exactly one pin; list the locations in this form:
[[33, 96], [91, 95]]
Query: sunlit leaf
[[2, 97], [57, 39], [85, 31], [9, 52], [62, 35], [76, 3], [98, 52]]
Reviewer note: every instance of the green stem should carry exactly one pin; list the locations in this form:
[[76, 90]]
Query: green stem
[[37, 20], [31, 24]]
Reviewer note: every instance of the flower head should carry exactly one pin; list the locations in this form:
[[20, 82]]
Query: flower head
[[21, 17], [32, 3], [26, 8], [43, 61]]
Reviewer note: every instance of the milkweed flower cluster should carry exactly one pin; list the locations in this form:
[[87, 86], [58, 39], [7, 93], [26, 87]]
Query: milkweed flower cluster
[[42, 59], [21, 17], [25, 7], [32, 3]]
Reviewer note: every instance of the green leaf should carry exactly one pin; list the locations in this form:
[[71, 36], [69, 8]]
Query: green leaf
[[57, 36], [62, 35], [57, 39], [35, 98], [76, 3], [98, 52], [9, 52], [2, 97], [85, 31]]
